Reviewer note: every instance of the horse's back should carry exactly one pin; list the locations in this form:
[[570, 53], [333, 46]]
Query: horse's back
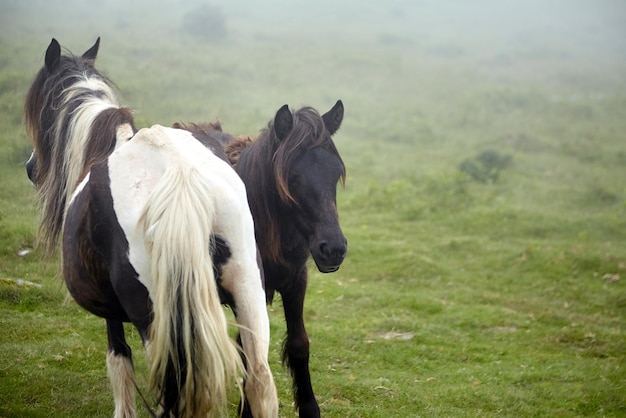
[[145, 158], [136, 168]]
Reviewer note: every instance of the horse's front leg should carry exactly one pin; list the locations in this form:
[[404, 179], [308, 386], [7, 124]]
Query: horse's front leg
[[120, 370], [254, 334], [296, 348]]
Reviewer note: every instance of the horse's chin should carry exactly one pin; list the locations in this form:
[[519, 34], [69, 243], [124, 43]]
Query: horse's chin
[[326, 269], [327, 264]]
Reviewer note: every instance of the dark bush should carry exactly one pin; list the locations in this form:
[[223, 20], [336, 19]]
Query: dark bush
[[486, 166]]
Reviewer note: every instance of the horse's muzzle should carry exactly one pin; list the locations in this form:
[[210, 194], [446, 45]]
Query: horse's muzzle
[[328, 257]]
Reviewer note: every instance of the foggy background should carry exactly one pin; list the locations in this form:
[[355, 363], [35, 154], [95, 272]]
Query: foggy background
[[427, 86], [552, 41], [418, 79], [561, 26]]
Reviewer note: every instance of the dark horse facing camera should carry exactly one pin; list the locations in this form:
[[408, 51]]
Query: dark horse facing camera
[[312, 182], [291, 172]]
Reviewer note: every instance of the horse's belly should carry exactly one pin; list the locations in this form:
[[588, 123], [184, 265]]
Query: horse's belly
[[85, 271]]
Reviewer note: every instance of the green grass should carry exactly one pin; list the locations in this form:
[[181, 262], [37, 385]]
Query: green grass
[[458, 298]]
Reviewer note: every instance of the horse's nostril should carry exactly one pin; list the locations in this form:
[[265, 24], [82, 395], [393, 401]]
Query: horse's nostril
[[332, 252], [324, 248]]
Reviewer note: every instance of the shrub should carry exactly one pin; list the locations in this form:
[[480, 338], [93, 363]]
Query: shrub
[[486, 166]]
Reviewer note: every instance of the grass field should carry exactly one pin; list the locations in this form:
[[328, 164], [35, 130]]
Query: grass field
[[485, 204]]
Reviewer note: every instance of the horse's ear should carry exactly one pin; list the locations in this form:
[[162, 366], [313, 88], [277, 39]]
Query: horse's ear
[[92, 52], [283, 122], [53, 54], [332, 118]]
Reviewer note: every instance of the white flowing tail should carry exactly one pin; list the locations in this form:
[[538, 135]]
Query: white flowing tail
[[193, 360]]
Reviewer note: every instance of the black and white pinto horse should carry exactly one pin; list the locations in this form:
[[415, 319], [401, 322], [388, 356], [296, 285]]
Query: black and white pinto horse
[[154, 228]]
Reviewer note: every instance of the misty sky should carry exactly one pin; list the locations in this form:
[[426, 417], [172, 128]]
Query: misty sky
[[585, 24], [576, 43]]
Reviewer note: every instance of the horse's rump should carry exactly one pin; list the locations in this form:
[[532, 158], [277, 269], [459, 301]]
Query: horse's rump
[[166, 189]]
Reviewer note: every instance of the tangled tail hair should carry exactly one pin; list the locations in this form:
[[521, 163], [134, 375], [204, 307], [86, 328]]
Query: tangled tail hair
[[193, 359]]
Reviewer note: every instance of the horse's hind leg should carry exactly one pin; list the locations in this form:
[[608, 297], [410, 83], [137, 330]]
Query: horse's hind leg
[[120, 370], [244, 405], [251, 314], [259, 388], [296, 348]]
